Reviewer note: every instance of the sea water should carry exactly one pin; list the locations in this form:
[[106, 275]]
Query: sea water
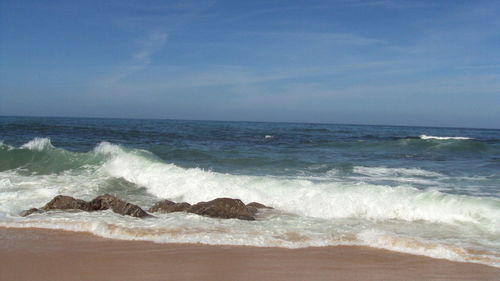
[[419, 190]]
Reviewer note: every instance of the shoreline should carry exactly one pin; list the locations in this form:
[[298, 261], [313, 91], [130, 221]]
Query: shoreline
[[46, 254]]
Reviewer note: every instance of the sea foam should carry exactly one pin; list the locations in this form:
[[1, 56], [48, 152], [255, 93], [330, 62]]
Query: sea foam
[[385, 171], [426, 137], [38, 144]]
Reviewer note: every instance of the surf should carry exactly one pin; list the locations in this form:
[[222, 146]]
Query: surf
[[336, 210]]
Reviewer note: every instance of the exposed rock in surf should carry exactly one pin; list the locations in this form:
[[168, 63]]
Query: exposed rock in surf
[[254, 207], [258, 205], [63, 202], [167, 206], [225, 208], [106, 201], [30, 211], [161, 206], [103, 202]]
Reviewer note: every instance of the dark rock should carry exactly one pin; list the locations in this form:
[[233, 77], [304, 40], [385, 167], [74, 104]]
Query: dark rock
[[161, 206], [254, 207], [179, 207], [225, 208], [258, 205], [167, 206], [103, 202], [106, 201], [26, 213], [253, 210], [62, 202]]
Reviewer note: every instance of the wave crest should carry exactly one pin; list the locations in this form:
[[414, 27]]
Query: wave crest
[[38, 144], [426, 137]]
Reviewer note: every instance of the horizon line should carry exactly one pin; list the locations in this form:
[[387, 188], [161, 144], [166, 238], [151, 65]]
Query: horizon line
[[248, 121]]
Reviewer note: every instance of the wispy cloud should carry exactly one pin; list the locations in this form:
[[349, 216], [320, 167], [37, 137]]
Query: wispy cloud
[[178, 78], [138, 60], [155, 23]]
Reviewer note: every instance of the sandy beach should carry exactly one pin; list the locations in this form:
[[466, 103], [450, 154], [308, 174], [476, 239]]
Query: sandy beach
[[38, 254]]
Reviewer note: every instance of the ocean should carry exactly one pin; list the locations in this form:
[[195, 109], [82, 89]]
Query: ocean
[[419, 190]]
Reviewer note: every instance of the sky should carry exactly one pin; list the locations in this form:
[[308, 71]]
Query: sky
[[425, 63]]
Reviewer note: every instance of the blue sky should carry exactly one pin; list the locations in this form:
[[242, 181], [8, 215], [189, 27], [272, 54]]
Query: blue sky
[[434, 63]]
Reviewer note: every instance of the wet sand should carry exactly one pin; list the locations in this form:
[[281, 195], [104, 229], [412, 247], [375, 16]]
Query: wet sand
[[37, 254]]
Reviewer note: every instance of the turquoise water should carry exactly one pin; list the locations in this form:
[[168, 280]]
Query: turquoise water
[[428, 191]]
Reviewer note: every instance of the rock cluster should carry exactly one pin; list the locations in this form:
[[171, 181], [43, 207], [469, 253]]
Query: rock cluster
[[106, 201], [167, 206], [103, 202], [62, 202], [226, 208]]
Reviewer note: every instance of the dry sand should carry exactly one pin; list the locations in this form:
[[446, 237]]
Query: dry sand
[[36, 254]]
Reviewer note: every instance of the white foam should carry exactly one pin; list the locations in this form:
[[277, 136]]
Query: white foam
[[108, 148], [185, 228], [19, 192], [426, 137], [390, 241], [3, 145], [384, 172], [38, 144], [272, 231], [268, 137]]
